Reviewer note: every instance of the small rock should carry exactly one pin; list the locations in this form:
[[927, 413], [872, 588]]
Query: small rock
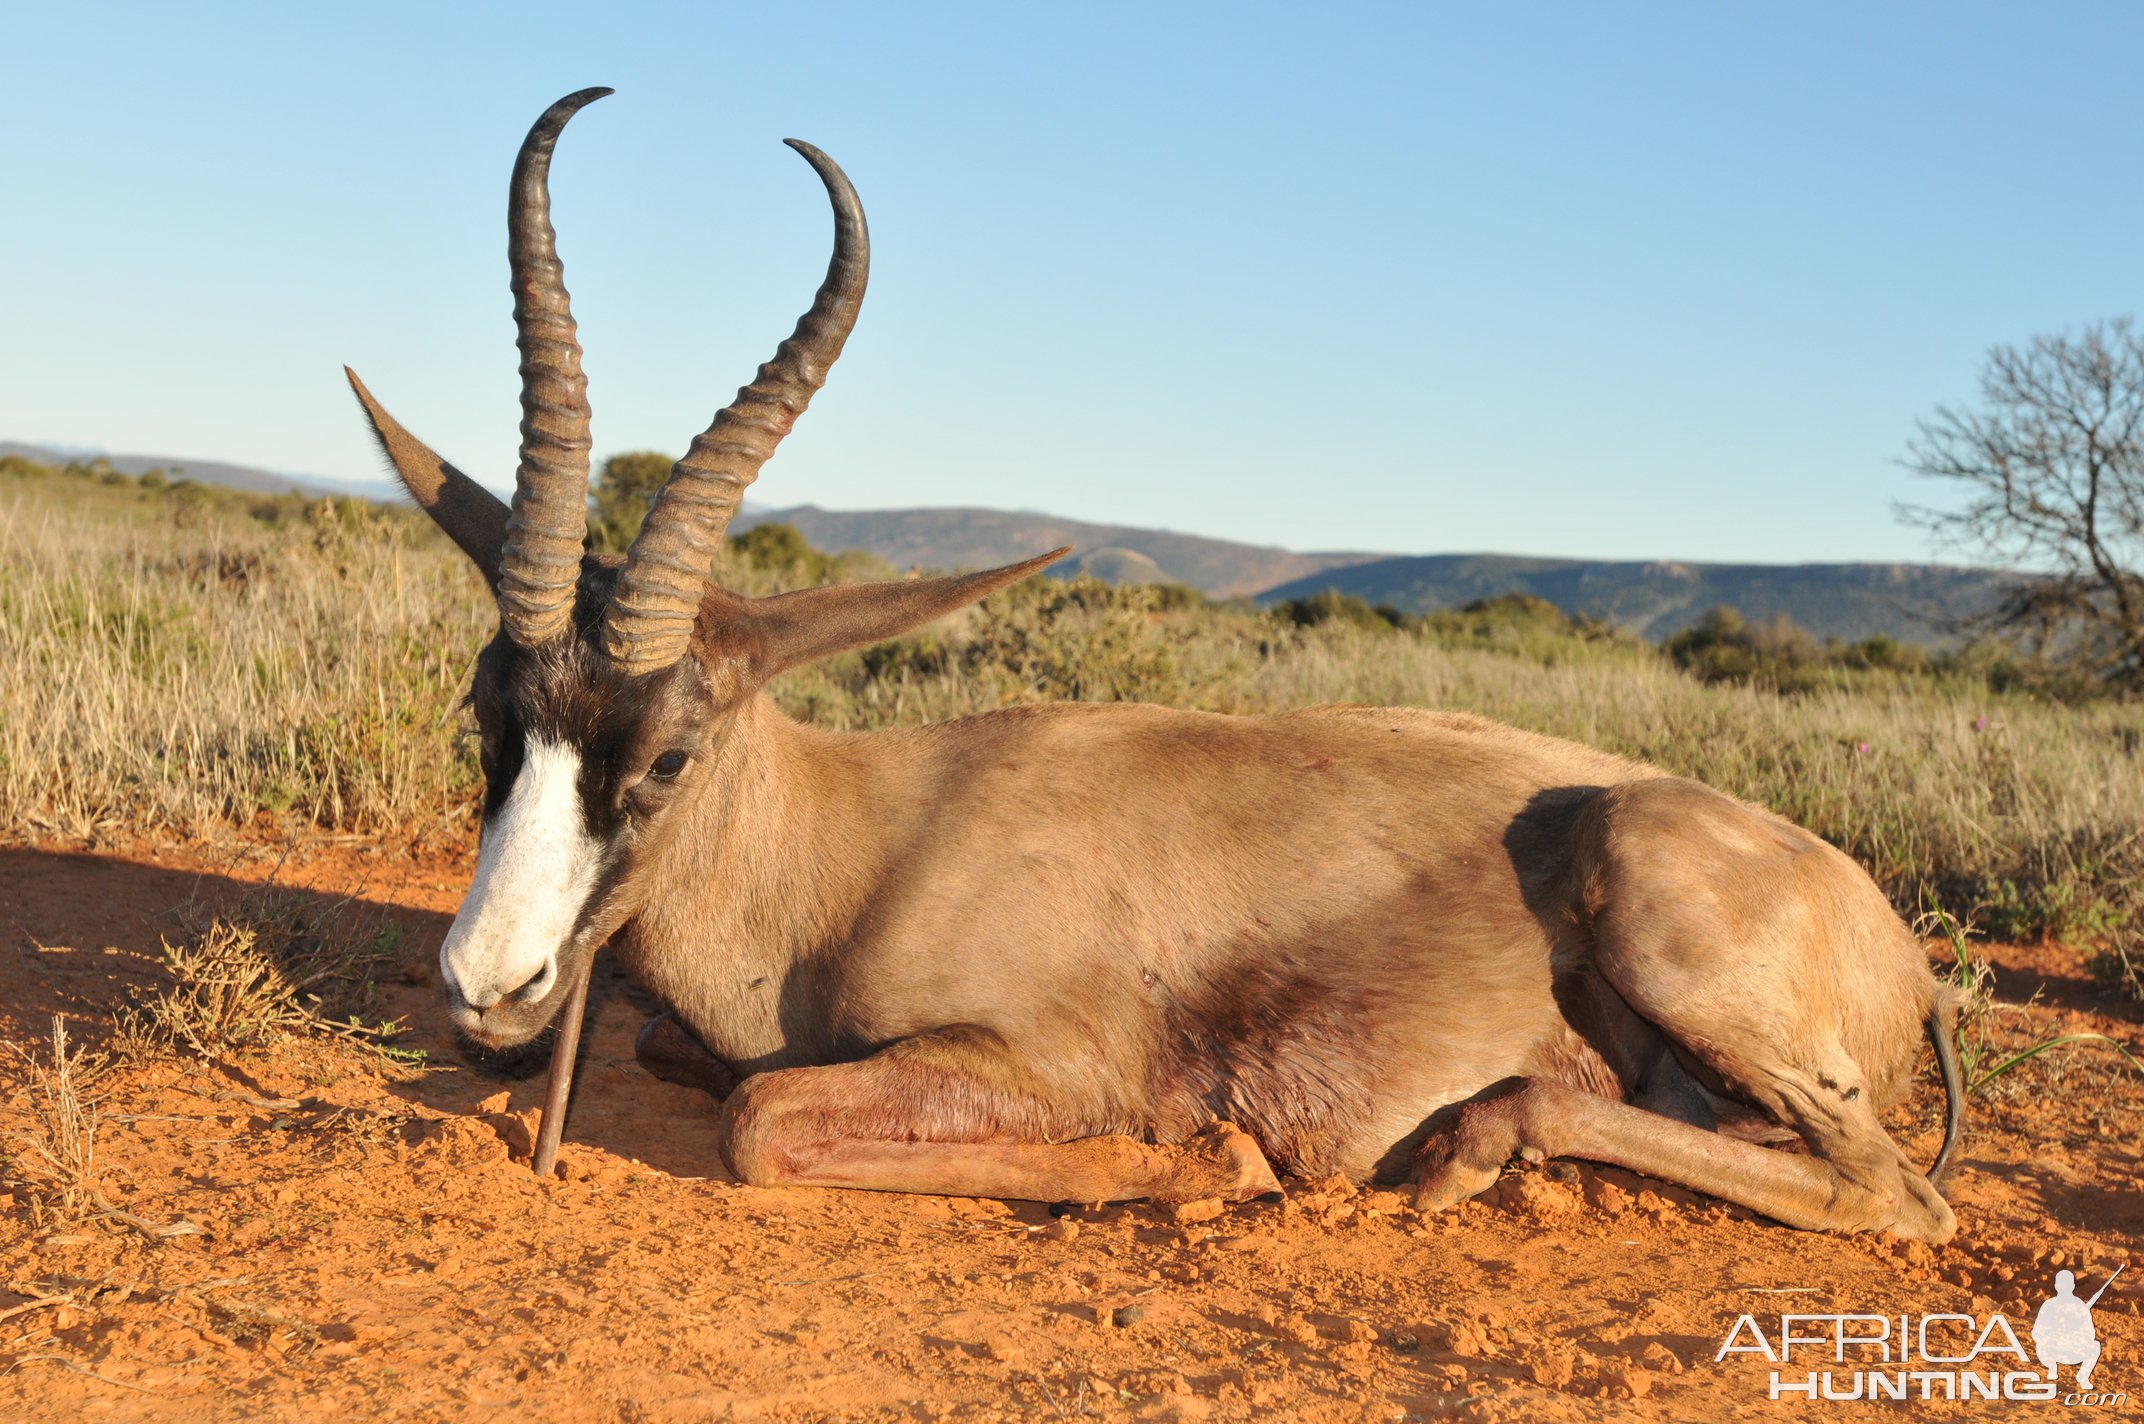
[[1464, 1339], [1125, 1316], [1005, 1350], [1554, 1367], [1061, 1230], [1191, 1212], [497, 1103], [1531, 1194], [1660, 1359]]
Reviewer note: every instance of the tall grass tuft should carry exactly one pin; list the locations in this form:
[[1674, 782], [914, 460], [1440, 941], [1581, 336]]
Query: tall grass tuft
[[52, 1162]]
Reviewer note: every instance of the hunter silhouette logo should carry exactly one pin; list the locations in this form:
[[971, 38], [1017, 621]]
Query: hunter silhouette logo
[[1943, 1355], [2062, 1332]]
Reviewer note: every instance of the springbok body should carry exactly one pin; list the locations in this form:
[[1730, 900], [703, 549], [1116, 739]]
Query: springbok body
[[1098, 952]]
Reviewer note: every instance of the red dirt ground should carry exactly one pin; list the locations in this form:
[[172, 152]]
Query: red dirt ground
[[374, 1246]]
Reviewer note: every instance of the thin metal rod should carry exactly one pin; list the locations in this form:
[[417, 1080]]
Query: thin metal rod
[[560, 1087]]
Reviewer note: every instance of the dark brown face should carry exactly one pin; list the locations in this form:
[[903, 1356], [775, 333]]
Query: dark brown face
[[583, 768]]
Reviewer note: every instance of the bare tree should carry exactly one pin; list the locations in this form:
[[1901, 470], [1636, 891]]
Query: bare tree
[[2055, 469]]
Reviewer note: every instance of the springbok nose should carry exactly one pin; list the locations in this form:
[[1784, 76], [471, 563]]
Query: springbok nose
[[537, 984], [479, 1002]]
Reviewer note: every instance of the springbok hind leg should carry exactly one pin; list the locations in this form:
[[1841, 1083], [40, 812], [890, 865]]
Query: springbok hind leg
[[1541, 1118], [951, 1114]]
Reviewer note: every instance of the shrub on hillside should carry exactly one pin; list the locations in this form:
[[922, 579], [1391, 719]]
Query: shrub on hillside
[[1333, 606]]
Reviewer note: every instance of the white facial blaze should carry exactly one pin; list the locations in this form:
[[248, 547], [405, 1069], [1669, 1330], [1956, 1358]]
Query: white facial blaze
[[535, 871]]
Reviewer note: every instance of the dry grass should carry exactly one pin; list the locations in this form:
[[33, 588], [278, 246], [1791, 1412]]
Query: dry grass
[[51, 1162], [178, 665], [196, 666], [276, 964]]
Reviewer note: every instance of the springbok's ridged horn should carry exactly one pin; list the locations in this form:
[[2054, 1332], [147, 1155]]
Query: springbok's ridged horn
[[649, 620], [541, 563]]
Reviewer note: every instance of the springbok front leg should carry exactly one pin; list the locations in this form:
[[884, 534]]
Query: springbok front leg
[[668, 1050], [951, 1114], [1540, 1118]]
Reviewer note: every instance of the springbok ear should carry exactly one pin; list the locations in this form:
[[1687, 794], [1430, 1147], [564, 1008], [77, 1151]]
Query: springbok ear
[[472, 516], [791, 629]]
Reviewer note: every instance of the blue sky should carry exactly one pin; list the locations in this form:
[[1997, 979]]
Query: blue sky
[[1622, 281]]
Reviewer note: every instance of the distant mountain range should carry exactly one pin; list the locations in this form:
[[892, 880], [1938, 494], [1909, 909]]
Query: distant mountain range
[[212, 472], [1911, 602], [975, 538]]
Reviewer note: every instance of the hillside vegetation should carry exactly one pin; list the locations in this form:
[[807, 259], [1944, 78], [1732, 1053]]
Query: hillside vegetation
[[183, 660], [1660, 599]]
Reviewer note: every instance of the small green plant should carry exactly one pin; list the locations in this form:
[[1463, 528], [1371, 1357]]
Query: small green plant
[[1981, 1061]]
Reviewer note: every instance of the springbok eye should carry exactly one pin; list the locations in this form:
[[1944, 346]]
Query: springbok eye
[[668, 765]]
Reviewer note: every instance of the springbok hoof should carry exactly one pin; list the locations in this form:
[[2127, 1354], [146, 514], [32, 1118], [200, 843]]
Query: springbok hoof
[[1244, 1171], [1446, 1173], [1452, 1184], [667, 1049]]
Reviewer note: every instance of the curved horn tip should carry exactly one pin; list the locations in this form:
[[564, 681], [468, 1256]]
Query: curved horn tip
[[553, 119], [581, 97], [816, 157]]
